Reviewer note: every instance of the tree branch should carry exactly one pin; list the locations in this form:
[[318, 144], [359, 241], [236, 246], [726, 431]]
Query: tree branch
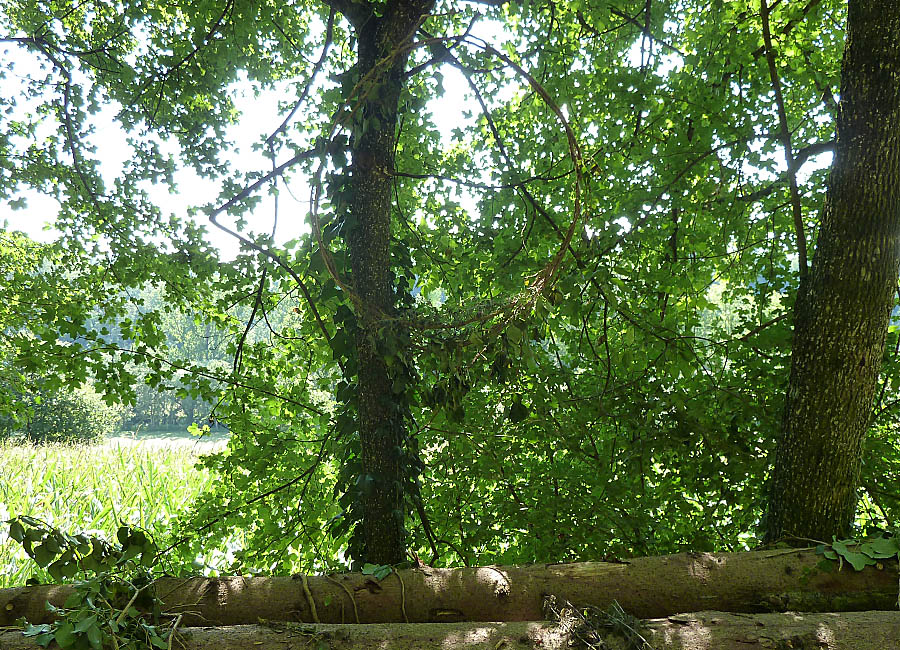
[[785, 137], [243, 194], [329, 37], [358, 13], [800, 159], [644, 29], [787, 29]]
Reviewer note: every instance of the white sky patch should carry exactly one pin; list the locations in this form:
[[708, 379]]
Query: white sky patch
[[624, 223], [457, 109], [191, 189], [35, 220], [259, 115], [665, 61], [815, 163]]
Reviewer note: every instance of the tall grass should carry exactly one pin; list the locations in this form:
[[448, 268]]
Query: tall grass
[[92, 488]]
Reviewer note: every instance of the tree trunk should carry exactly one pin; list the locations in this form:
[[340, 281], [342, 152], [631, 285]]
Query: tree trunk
[[841, 316], [648, 587], [700, 631], [382, 62]]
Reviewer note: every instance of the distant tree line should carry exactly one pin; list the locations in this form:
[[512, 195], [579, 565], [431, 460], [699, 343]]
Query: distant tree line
[[48, 412], [61, 415]]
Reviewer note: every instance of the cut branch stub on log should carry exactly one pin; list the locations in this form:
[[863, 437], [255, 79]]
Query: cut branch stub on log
[[650, 587]]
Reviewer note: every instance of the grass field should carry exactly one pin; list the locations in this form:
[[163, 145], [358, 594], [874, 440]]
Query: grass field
[[139, 480]]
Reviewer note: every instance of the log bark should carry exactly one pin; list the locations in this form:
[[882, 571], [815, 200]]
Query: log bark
[[650, 587], [700, 631]]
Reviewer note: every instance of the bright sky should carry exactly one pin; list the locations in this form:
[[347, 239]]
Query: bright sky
[[259, 117]]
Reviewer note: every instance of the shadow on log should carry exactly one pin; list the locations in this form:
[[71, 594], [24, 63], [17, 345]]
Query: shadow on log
[[701, 631], [650, 587]]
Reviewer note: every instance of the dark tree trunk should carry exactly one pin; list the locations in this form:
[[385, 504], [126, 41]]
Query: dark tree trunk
[[841, 316], [382, 57]]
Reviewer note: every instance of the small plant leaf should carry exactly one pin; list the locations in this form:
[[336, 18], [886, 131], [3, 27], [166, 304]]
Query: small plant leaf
[[65, 635], [95, 637]]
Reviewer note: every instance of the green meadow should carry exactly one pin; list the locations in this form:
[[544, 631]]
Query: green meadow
[[142, 482]]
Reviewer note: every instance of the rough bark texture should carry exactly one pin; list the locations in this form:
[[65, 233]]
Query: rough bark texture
[[701, 631], [841, 317], [382, 63], [645, 587]]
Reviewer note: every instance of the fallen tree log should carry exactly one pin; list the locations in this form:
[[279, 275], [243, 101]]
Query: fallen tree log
[[649, 587], [700, 631]]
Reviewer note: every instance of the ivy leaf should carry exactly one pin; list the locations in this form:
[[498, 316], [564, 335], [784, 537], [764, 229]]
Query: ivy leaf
[[517, 412], [35, 630], [858, 560], [73, 600], [95, 637], [883, 547], [65, 635], [43, 555], [158, 642], [16, 530], [378, 571], [86, 623]]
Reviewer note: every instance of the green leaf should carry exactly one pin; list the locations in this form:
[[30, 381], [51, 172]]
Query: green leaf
[[73, 600], [95, 637], [85, 623], [42, 555], [16, 530], [34, 630], [882, 547], [858, 560], [378, 571], [65, 635]]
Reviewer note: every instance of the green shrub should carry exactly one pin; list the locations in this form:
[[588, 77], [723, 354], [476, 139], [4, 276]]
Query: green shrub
[[7, 427], [63, 415], [12, 410]]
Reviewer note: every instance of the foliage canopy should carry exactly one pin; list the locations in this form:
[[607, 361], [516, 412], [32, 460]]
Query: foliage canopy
[[613, 392]]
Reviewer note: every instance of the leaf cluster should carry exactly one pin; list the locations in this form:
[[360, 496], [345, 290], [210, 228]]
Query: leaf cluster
[[861, 553], [113, 603]]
